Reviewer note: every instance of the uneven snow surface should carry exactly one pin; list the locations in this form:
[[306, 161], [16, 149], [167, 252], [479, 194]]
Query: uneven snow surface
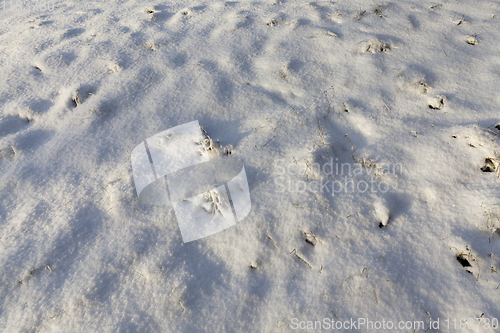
[[400, 96]]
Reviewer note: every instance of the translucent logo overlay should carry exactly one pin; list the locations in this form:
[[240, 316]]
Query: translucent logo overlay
[[209, 193]]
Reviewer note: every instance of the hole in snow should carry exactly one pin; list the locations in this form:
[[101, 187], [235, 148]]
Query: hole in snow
[[463, 261]]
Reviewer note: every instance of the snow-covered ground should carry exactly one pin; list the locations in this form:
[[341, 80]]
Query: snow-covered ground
[[394, 104]]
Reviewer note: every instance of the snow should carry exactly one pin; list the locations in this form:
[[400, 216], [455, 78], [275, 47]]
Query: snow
[[401, 96]]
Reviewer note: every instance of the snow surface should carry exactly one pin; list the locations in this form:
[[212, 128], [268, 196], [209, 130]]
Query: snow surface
[[413, 84]]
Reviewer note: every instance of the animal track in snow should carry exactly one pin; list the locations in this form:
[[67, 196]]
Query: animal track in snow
[[376, 46], [7, 153], [81, 95], [438, 102]]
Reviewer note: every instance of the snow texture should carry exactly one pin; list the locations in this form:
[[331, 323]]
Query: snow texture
[[396, 104]]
